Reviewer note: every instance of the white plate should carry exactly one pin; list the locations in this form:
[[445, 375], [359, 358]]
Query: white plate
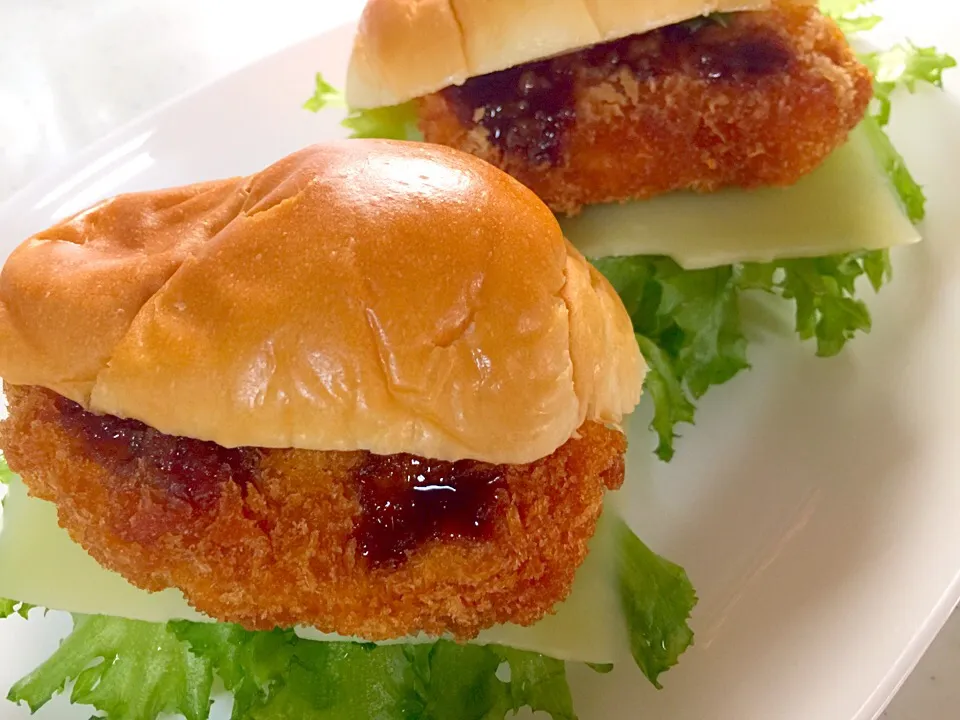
[[815, 504]]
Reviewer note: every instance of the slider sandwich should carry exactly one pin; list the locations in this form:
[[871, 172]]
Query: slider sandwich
[[693, 149], [369, 394], [598, 101]]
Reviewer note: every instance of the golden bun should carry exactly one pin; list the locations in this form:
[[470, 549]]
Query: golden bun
[[405, 49], [357, 295]]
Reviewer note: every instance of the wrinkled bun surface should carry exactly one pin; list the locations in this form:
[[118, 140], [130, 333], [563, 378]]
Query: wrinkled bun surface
[[360, 295], [408, 48]]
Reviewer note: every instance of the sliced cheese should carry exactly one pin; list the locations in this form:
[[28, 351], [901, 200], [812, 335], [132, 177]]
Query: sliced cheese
[[846, 205], [41, 565]]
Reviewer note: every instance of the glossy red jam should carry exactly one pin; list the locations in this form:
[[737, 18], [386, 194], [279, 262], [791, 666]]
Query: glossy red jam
[[405, 500], [408, 501], [190, 470], [527, 109]]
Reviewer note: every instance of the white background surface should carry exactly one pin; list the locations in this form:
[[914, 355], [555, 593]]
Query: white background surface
[[71, 72]]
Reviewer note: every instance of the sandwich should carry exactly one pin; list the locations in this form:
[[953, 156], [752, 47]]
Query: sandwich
[[694, 150], [340, 433]]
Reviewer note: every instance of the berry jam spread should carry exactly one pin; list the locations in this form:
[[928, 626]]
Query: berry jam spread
[[408, 501], [405, 500], [748, 58], [526, 109], [190, 470]]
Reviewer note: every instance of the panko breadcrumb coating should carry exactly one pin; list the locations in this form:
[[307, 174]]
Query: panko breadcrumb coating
[[266, 538], [760, 99]]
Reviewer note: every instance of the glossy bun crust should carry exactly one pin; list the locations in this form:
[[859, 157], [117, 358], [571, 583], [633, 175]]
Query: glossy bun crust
[[361, 295], [411, 48]]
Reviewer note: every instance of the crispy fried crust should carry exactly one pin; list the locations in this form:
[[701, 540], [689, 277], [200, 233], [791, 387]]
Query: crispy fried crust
[[279, 551], [677, 129]]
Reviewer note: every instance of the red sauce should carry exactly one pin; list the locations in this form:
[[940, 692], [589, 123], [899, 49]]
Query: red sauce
[[189, 470], [526, 109], [743, 60], [407, 501]]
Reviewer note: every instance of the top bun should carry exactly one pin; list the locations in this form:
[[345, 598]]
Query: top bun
[[409, 48], [364, 294]]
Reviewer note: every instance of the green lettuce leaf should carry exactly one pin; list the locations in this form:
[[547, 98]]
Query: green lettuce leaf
[[664, 385], [279, 675], [656, 598], [847, 15], [324, 95], [859, 23], [393, 122], [842, 8], [137, 670], [689, 330], [908, 189], [824, 292], [689, 327], [124, 668], [132, 670], [13, 607], [905, 65], [902, 66], [538, 682], [5, 472]]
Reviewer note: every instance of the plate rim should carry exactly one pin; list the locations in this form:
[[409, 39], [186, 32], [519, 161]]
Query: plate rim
[[913, 653]]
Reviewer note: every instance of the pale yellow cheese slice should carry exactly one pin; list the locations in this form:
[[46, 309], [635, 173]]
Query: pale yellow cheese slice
[[846, 205], [41, 565]]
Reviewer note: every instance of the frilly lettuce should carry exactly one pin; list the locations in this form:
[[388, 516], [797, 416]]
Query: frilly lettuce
[[689, 327], [134, 670], [393, 122], [125, 668]]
